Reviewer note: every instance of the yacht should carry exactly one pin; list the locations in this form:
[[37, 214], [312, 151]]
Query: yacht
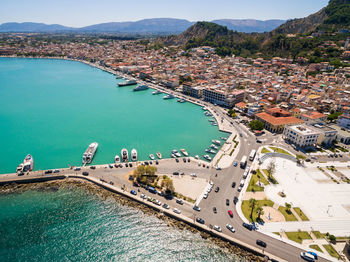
[[181, 100], [170, 96], [118, 77], [156, 92], [127, 83], [214, 123], [204, 108], [214, 146], [223, 138], [133, 154], [211, 151], [159, 155], [172, 155], [151, 156], [125, 155], [27, 165], [117, 159], [141, 88], [184, 152], [90, 153], [176, 153], [217, 142], [207, 157]]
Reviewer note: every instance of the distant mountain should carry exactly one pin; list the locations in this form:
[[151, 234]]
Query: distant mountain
[[249, 25], [32, 27], [154, 25]]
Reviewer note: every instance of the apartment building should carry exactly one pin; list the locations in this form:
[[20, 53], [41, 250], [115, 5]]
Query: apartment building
[[301, 135]]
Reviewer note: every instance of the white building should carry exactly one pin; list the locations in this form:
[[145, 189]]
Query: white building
[[344, 121], [301, 135]]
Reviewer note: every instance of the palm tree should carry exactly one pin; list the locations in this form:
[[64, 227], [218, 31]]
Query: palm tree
[[259, 212], [252, 204]]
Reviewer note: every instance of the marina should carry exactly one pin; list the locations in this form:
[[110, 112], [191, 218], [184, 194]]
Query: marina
[[66, 145]]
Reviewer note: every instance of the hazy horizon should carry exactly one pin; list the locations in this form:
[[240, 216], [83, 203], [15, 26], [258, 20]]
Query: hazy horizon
[[82, 13]]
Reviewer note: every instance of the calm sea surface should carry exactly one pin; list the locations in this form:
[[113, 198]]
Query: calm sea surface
[[53, 109], [74, 225]]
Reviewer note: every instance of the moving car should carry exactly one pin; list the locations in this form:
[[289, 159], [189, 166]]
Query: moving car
[[229, 227], [235, 200], [313, 253], [307, 257], [227, 202], [200, 220], [217, 228], [230, 213], [248, 226], [261, 243]]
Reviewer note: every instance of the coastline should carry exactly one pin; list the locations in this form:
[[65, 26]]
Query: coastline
[[103, 194]]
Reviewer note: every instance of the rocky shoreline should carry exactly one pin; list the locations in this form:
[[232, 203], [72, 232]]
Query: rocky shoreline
[[104, 194]]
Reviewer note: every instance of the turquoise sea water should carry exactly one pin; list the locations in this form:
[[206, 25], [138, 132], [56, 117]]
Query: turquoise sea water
[[53, 109], [73, 225]]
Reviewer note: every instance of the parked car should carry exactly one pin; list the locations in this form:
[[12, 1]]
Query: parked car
[[143, 196], [166, 206], [235, 200], [248, 226], [110, 166], [193, 175], [175, 173], [130, 164], [197, 208], [261, 243], [133, 192], [179, 201], [214, 210], [184, 159], [239, 189], [230, 213], [92, 167], [200, 220], [205, 196], [85, 173], [177, 211], [48, 171], [227, 202], [258, 141], [177, 160], [56, 171], [229, 227], [217, 228], [235, 163], [157, 162], [217, 189], [233, 184]]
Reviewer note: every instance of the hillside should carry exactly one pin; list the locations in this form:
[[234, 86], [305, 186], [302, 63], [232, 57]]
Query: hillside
[[32, 27]]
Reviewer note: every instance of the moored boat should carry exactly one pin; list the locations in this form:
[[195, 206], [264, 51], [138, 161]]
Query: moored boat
[[207, 157], [90, 153], [159, 155], [217, 142], [133, 154], [141, 88], [151, 156], [117, 159], [127, 83], [223, 138], [196, 156], [157, 92], [181, 100], [170, 96], [176, 153], [125, 155], [184, 152]]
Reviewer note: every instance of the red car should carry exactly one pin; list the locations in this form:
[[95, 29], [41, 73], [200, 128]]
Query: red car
[[230, 213]]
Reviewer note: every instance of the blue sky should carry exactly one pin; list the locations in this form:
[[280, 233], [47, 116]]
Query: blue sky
[[78, 13]]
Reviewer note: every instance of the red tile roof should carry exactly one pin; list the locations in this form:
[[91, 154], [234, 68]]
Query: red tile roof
[[278, 120]]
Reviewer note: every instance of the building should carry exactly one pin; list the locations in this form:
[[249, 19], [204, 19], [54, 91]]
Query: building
[[343, 134], [301, 135], [275, 119], [327, 134], [313, 117], [196, 91], [254, 109], [226, 98], [344, 121]]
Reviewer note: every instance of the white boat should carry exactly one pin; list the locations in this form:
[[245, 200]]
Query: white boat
[[90, 153], [133, 154], [176, 153], [214, 146], [217, 142], [211, 151], [173, 156], [159, 155], [204, 108], [223, 138], [214, 123], [27, 165], [151, 156], [207, 157], [170, 96], [125, 155], [156, 92], [196, 157], [184, 152], [117, 159]]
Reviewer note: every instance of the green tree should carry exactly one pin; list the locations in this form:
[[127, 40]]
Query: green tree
[[256, 125], [252, 204], [259, 212], [288, 207], [271, 168], [167, 183]]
